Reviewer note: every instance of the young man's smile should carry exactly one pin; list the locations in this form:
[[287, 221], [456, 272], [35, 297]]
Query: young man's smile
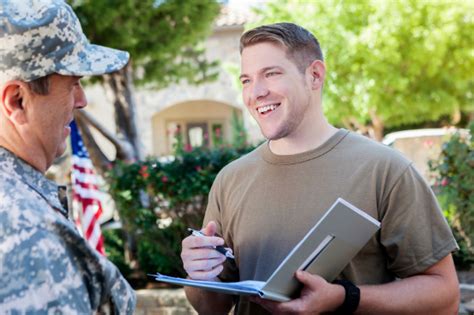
[[267, 109]]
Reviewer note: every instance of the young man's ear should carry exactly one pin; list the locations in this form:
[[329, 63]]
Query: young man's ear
[[317, 72], [12, 101]]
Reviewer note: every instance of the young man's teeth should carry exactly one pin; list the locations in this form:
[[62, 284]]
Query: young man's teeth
[[266, 108]]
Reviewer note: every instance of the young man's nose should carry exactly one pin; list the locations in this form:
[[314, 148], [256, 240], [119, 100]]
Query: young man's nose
[[259, 90]]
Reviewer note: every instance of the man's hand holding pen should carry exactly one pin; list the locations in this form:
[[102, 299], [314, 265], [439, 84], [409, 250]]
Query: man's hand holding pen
[[203, 254], [227, 252]]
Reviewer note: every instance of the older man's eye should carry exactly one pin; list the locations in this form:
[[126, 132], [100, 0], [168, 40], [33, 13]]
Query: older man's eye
[[77, 81]]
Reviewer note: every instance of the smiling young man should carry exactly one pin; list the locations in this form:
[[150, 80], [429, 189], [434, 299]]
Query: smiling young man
[[265, 202], [45, 264]]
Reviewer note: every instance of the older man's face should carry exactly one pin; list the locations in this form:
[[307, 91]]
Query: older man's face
[[49, 115]]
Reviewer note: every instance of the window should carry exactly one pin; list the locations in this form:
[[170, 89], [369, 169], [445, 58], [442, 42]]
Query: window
[[195, 134]]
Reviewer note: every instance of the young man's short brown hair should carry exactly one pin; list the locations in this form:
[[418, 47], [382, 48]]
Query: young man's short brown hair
[[301, 46]]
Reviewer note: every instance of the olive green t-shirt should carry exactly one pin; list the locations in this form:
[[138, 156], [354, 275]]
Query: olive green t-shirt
[[265, 203]]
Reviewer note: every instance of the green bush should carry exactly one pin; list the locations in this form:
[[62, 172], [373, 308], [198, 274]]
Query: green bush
[[455, 189], [158, 201]]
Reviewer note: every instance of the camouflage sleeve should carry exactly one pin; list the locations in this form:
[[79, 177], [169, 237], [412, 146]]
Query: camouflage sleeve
[[47, 267], [121, 293], [105, 281], [36, 275]]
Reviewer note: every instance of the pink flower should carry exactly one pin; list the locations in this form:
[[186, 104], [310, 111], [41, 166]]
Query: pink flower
[[198, 168], [444, 182], [188, 147], [144, 172], [164, 179]]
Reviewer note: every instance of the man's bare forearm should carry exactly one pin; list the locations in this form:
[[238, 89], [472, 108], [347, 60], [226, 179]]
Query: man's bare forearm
[[207, 302], [435, 291]]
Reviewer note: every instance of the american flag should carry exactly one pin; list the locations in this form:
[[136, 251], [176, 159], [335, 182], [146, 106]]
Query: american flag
[[87, 207]]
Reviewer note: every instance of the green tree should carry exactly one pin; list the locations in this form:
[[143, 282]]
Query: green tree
[[389, 63], [163, 39]]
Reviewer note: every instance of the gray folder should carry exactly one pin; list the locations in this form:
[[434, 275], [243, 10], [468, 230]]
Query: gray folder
[[325, 250]]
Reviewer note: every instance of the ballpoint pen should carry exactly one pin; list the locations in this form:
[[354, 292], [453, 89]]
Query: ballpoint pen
[[221, 249]]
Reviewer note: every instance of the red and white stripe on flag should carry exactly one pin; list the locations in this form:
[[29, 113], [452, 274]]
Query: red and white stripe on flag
[[87, 207]]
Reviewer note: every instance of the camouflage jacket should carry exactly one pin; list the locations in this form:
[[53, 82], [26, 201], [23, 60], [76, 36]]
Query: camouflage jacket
[[46, 267]]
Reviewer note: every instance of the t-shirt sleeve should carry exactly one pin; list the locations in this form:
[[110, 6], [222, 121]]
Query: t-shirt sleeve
[[414, 232], [214, 212]]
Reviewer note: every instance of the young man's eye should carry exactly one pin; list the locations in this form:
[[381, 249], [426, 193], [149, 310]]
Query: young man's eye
[[271, 74], [245, 81]]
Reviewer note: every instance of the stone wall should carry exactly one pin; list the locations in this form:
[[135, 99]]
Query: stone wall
[[162, 302]]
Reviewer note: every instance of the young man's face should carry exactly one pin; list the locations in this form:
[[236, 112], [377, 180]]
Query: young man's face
[[275, 92], [49, 115]]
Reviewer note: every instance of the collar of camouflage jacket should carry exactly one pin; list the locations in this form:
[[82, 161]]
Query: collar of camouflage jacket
[[16, 168]]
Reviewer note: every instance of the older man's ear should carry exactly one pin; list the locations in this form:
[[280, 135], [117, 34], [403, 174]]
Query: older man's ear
[[12, 105]]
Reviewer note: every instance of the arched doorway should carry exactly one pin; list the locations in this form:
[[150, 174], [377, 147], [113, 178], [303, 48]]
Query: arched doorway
[[200, 123]]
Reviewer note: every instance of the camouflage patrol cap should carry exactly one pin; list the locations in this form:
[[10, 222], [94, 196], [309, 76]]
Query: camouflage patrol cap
[[41, 37]]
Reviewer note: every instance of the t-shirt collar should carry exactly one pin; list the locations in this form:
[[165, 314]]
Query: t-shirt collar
[[324, 148]]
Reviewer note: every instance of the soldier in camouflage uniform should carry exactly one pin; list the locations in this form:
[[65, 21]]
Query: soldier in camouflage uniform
[[45, 265]]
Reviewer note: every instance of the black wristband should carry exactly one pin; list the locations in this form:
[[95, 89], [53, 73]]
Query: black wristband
[[351, 300]]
